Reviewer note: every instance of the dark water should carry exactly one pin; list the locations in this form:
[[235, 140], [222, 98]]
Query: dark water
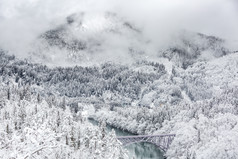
[[137, 150]]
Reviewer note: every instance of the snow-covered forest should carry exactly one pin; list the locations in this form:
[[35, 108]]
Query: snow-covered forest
[[187, 102], [33, 126], [142, 74]]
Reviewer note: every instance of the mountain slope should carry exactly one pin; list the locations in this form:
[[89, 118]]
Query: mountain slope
[[86, 39]]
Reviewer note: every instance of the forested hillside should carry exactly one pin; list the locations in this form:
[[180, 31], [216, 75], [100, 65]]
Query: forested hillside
[[154, 68], [32, 126], [82, 81], [142, 98]]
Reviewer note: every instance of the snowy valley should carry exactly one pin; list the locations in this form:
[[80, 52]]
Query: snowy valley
[[106, 68]]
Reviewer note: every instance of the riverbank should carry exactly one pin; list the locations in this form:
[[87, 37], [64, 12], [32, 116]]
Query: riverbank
[[137, 120]]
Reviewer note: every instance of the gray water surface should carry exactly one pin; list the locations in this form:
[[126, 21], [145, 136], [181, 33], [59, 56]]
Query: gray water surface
[[137, 150]]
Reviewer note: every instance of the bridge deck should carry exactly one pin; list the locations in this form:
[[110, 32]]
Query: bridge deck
[[162, 141], [138, 136]]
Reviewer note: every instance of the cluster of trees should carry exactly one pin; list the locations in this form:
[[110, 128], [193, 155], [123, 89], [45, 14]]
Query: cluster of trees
[[34, 127], [138, 120], [80, 81], [205, 129]]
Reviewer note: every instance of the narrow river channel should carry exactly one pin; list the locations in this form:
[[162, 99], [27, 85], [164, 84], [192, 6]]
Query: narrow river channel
[[138, 150]]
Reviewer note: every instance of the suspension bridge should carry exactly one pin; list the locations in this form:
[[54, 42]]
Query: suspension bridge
[[162, 141]]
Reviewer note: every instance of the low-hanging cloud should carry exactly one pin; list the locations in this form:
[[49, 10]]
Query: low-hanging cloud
[[23, 21]]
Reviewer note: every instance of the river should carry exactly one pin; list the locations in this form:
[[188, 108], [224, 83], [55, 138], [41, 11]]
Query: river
[[138, 150]]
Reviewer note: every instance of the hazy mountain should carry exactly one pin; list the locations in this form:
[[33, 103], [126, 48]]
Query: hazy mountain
[[88, 39], [85, 38]]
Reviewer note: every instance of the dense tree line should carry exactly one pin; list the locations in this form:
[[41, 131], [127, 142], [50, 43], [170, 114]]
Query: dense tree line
[[81, 81]]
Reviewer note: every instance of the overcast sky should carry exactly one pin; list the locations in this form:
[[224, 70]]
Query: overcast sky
[[21, 21]]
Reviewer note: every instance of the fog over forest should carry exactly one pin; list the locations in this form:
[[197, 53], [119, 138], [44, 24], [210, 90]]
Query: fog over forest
[[109, 79], [22, 22]]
